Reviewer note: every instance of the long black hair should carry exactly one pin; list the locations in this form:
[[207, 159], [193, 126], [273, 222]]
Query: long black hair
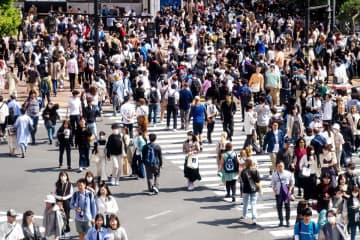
[[25, 215]]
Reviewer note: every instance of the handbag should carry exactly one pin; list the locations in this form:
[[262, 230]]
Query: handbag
[[94, 158], [11, 130], [306, 171], [192, 161], [285, 194]]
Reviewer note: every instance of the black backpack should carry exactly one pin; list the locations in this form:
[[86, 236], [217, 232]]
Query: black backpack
[[171, 99], [195, 85], [154, 96], [230, 162]]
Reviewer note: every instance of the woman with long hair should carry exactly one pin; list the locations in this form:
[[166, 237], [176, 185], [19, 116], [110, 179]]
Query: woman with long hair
[[250, 179], [63, 193], [98, 231], [30, 229], [116, 231], [64, 136], [191, 148], [307, 172], [106, 203], [299, 151]]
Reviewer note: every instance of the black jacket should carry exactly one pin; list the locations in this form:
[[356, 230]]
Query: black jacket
[[28, 235], [82, 137], [248, 175], [114, 145]]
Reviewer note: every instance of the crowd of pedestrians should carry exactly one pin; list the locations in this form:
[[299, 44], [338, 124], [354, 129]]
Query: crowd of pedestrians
[[296, 98]]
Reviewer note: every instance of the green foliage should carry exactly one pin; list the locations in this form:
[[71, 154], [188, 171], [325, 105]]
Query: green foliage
[[10, 18], [350, 8]]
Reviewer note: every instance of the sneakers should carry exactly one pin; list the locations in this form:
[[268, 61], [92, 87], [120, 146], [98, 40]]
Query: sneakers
[[242, 218], [117, 182], [191, 187], [174, 129], [113, 181], [155, 190], [233, 199], [288, 224]]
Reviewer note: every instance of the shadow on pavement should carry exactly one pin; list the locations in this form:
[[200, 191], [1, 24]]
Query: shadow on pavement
[[203, 199], [48, 169], [220, 222], [128, 195], [220, 207]]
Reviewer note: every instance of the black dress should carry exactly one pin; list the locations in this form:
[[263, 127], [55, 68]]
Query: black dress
[[192, 174]]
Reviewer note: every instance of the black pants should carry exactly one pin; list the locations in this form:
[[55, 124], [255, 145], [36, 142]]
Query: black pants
[[231, 185], [171, 110], [81, 77], [279, 206], [228, 126], [63, 147], [66, 206], [72, 81], [130, 127], [210, 129]]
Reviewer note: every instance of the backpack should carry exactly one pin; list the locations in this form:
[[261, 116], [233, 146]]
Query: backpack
[[154, 96], [313, 229], [246, 95], [230, 163], [195, 86], [150, 159], [171, 99], [44, 86]]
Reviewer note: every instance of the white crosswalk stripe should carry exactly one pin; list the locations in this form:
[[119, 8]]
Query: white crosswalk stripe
[[171, 143]]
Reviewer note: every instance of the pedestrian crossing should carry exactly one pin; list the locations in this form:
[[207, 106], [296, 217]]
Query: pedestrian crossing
[[171, 143]]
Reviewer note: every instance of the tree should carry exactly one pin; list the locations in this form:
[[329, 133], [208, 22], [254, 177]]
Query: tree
[[10, 18], [351, 10]]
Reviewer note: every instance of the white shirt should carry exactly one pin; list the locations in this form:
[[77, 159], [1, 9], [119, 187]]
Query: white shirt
[[106, 205], [16, 233], [328, 110], [128, 113], [74, 106]]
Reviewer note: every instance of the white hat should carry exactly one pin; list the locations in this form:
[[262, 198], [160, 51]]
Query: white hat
[[336, 126], [50, 199]]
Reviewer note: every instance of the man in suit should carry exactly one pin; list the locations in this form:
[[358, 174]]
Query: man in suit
[[273, 142]]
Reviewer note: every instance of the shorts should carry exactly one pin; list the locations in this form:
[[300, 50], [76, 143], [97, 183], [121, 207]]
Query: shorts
[[82, 226], [198, 128]]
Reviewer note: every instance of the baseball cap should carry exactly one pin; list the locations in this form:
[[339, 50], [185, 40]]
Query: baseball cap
[[11, 213]]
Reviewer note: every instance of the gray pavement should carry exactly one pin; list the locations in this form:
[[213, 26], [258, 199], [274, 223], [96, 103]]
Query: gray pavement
[[173, 214]]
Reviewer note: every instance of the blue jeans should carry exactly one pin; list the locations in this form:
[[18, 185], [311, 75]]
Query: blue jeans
[[84, 157], [34, 128], [252, 197], [93, 130], [51, 132], [54, 84], [353, 230], [153, 107]]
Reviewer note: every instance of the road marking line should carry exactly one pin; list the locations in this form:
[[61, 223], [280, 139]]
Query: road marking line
[[158, 215]]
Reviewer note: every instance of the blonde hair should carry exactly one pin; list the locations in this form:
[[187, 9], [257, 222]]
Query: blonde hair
[[223, 138]]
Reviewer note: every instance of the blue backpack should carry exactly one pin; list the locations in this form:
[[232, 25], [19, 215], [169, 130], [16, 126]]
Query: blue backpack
[[151, 159]]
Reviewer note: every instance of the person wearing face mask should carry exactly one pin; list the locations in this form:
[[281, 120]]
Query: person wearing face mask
[[307, 172], [353, 209], [191, 148], [332, 229], [328, 162], [90, 182], [63, 193], [114, 153], [50, 116], [99, 151]]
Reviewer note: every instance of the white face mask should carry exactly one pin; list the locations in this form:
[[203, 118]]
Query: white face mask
[[208, 102], [189, 138], [63, 178], [325, 151], [331, 219], [312, 152], [355, 194], [115, 131], [89, 179]]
